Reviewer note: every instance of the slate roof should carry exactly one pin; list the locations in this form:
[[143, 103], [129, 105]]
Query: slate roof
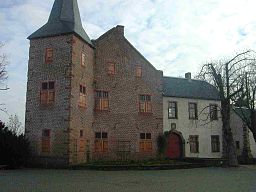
[[243, 113], [189, 88], [64, 18]]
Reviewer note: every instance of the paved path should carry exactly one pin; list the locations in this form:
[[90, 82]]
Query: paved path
[[191, 180]]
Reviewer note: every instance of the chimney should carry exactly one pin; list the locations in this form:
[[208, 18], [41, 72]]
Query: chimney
[[188, 75], [120, 29]]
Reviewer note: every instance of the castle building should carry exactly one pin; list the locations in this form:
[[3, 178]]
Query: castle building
[[102, 100], [192, 118], [88, 99]]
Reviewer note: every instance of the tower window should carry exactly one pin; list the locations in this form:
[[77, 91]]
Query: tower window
[[48, 55], [47, 94], [82, 96], [46, 141], [83, 59]]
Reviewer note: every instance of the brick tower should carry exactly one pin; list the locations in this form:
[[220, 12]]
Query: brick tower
[[60, 96], [100, 100]]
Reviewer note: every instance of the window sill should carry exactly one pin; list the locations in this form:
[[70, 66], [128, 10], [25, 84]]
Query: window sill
[[172, 117]]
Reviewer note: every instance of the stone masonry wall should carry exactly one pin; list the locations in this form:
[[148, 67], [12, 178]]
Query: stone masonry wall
[[123, 122], [55, 117], [81, 118]]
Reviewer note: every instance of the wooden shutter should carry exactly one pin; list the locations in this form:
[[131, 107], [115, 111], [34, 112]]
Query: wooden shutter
[[105, 145], [111, 68], [82, 100], [97, 104], [142, 146], [46, 145], [81, 145], [83, 59], [142, 107], [138, 71], [44, 97], [51, 97], [148, 146], [48, 55], [98, 145], [104, 104], [149, 107]]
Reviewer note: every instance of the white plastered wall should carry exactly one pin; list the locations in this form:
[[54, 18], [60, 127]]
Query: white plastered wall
[[201, 127]]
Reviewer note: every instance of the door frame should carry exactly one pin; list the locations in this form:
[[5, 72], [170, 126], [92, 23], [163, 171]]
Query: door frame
[[182, 142]]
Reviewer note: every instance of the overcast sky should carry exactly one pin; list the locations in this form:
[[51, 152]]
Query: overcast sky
[[176, 36]]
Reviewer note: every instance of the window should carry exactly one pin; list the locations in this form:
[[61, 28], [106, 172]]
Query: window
[[83, 59], [48, 55], [138, 71], [213, 112], [145, 105], [82, 96], [145, 142], [81, 142], [46, 141], [237, 145], [192, 109], [101, 142], [102, 101], [47, 95], [194, 143], [172, 110], [81, 133], [111, 68], [215, 140]]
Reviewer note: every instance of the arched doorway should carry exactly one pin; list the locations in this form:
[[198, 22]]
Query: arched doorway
[[174, 146]]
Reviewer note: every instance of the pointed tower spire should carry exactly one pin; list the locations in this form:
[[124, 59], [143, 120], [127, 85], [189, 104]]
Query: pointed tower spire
[[64, 18]]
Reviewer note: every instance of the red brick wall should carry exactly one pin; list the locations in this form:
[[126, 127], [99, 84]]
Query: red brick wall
[[122, 121]]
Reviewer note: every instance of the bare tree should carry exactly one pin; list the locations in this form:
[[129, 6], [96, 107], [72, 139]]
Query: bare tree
[[15, 125], [3, 74], [246, 101], [226, 76], [3, 63]]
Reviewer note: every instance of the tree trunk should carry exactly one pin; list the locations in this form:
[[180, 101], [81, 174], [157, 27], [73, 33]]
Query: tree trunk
[[229, 151], [253, 124]]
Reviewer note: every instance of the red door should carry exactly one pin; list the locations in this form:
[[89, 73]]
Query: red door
[[174, 146]]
